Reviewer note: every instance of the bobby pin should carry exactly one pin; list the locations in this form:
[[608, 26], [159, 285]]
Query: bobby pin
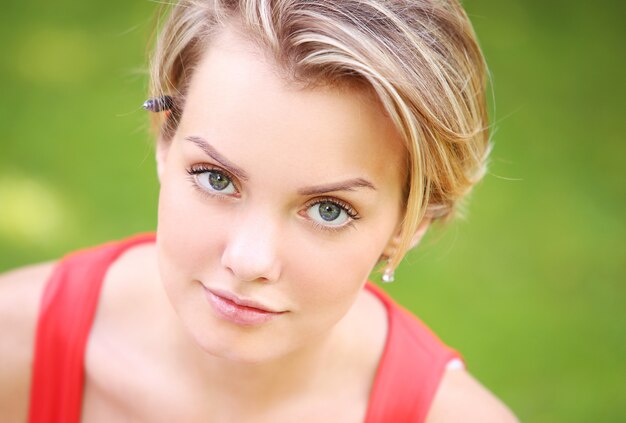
[[159, 104]]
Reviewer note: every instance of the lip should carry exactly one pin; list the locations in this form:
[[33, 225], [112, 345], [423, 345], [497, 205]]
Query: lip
[[239, 310]]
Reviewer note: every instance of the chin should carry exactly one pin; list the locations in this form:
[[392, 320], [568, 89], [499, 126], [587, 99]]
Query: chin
[[243, 349]]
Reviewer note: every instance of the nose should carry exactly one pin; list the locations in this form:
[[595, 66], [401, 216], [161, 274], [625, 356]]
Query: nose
[[251, 249]]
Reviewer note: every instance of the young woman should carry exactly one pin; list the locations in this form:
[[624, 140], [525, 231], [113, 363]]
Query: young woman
[[299, 145]]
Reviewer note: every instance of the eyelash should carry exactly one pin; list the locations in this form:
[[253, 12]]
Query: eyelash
[[350, 211], [195, 170]]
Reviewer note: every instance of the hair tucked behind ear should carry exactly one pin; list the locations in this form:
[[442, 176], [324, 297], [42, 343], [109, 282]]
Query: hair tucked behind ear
[[420, 58]]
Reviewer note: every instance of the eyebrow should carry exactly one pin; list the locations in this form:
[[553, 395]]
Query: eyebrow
[[348, 185], [212, 152]]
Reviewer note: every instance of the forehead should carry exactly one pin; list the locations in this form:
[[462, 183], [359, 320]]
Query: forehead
[[240, 103]]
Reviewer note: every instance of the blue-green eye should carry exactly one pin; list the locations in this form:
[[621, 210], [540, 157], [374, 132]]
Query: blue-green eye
[[213, 180], [328, 213]]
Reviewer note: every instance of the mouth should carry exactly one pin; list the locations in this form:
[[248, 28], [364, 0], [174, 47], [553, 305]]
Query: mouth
[[237, 310]]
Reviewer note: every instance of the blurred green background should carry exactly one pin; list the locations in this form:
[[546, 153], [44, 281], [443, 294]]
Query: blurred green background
[[530, 287]]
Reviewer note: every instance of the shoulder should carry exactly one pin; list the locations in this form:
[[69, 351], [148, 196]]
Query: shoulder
[[461, 397], [20, 295]]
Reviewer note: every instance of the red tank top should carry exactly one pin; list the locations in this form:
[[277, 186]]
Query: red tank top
[[407, 378]]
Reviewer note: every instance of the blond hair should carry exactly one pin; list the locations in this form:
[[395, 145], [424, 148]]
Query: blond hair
[[420, 58]]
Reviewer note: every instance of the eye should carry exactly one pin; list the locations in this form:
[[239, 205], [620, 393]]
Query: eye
[[328, 212], [213, 180]]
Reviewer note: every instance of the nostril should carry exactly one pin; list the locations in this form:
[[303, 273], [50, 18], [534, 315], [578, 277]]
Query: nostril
[[251, 272]]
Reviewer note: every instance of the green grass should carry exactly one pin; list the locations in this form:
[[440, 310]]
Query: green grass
[[530, 287]]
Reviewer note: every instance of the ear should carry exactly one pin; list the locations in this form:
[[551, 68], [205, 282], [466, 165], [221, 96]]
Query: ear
[[420, 232], [394, 242], [162, 150]]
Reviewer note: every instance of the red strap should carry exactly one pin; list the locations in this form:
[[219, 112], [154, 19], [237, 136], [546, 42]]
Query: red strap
[[410, 369], [66, 313]]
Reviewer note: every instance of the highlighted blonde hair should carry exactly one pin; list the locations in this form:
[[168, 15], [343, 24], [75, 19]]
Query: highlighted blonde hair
[[419, 57]]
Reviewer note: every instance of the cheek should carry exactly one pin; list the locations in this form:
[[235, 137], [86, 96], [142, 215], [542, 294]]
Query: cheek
[[187, 233], [326, 280]]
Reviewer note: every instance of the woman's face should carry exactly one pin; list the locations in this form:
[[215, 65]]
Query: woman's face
[[284, 196]]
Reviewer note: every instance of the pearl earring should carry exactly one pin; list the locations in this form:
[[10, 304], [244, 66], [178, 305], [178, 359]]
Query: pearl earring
[[388, 275]]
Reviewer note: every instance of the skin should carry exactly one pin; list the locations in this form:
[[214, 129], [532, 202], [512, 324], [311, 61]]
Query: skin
[[261, 240]]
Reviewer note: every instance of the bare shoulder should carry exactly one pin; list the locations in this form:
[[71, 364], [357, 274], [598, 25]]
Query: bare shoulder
[[462, 398], [20, 295]]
